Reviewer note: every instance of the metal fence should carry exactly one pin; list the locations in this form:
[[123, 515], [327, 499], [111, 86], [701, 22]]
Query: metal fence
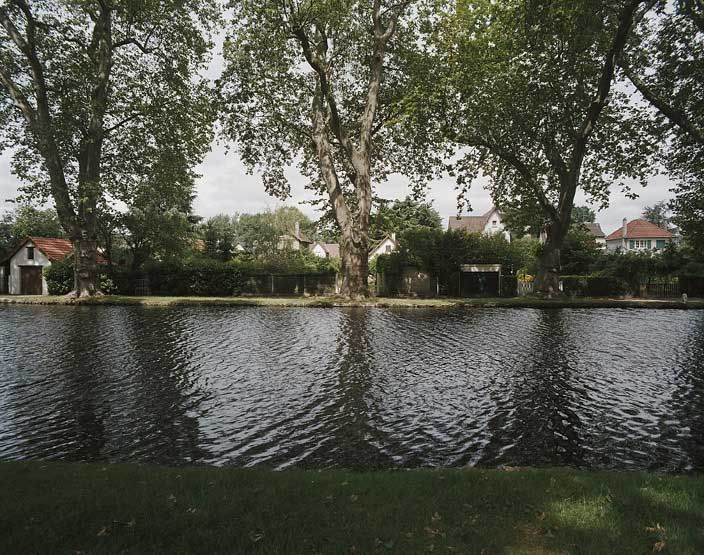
[[265, 285], [662, 290], [410, 283]]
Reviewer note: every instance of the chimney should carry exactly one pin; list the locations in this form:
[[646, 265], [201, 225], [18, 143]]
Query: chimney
[[297, 229], [625, 228], [393, 236]]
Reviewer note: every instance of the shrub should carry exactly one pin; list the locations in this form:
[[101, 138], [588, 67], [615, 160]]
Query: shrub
[[693, 286], [509, 286], [592, 286], [59, 277]]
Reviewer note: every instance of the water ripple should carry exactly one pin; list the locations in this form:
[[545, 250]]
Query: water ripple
[[356, 388]]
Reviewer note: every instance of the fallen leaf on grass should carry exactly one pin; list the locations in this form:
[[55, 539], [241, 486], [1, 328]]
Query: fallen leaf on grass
[[256, 536], [191, 510], [354, 498], [436, 517], [433, 532], [102, 532], [657, 529], [658, 546]]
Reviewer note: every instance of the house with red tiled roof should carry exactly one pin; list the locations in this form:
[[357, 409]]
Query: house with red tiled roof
[[22, 271], [488, 223], [639, 236]]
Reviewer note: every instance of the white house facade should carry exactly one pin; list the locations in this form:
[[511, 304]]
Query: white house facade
[[387, 245], [22, 272]]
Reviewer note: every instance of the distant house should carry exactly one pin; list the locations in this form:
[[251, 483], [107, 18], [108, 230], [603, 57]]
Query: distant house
[[325, 250], [387, 245], [295, 241], [489, 223], [596, 232], [21, 272], [638, 235]]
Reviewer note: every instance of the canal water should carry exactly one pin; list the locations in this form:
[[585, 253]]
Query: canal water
[[356, 388]]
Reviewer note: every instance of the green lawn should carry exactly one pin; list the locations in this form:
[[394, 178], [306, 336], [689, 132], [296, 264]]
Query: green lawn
[[71, 508]]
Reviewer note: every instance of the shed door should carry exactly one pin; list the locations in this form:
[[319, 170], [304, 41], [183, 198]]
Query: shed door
[[31, 280]]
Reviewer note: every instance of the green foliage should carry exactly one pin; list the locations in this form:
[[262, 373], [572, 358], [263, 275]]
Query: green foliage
[[579, 252], [268, 86], [59, 277], [401, 216], [205, 276], [593, 286], [441, 253], [26, 220], [518, 81], [258, 234], [692, 285], [583, 215], [658, 214]]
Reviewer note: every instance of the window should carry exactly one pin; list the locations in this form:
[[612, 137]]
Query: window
[[388, 248], [30, 253], [493, 222], [660, 243], [641, 244]]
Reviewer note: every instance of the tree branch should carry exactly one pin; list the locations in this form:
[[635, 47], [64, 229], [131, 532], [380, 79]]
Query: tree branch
[[675, 116], [625, 24]]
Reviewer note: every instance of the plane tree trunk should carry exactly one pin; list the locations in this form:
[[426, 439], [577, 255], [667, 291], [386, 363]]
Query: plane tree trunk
[[327, 126]]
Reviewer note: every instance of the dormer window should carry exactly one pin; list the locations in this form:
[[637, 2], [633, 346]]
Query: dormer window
[[493, 222], [388, 248], [30, 253]]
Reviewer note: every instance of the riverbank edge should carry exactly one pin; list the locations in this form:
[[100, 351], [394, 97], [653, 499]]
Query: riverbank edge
[[56, 507], [341, 302]]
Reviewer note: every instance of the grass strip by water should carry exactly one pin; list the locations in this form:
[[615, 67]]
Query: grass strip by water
[[379, 302], [92, 508]]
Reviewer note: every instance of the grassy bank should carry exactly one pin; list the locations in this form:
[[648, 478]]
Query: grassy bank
[[71, 508], [381, 302]]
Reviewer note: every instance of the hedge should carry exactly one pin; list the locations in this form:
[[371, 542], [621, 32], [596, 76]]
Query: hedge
[[592, 286], [693, 286]]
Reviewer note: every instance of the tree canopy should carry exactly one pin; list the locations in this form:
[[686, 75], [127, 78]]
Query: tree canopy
[[524, 89], [314, 84], [97, 96]]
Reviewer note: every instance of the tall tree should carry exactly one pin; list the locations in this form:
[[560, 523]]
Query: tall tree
[[658, 214], [526, 88], [402, 215], [26, 220], [665, 63], [583, 215], [312, 80], [91, 91]]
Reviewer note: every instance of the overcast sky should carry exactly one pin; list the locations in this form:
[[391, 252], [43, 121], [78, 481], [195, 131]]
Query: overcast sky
[[225, 186]]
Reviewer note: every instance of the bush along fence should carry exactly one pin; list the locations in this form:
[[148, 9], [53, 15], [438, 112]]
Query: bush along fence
[[202, 278]]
